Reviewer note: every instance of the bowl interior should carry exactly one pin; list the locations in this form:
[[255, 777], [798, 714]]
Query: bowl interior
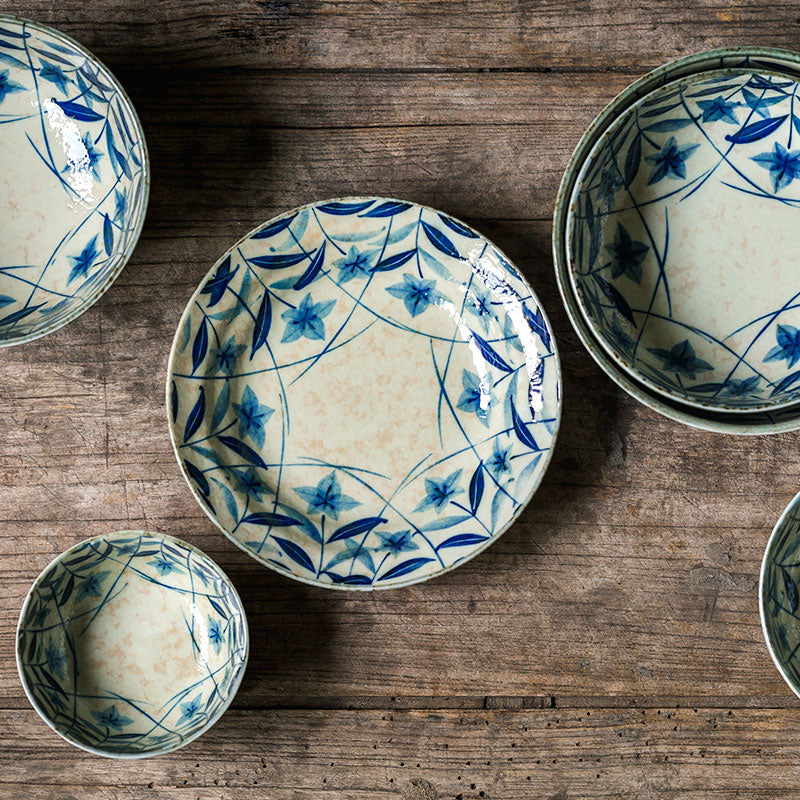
[[681, 238], [73, 187], [131, 644], [780, 595]]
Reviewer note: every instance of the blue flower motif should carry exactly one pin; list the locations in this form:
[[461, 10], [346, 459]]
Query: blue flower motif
[[191, 709], [788, 347], [306, 319], [218, 283], [120, 203], [477, 395], [56, 659], [395, 542], [326, 497], [355, 264], [7, 86], [626, 255], [479, 304], [164, 565], [670, 160], [225, 357], [439, 492], [499, 463], [742, 388], [718, 108], [252, 416], [610, 183], [416, 293], [249, 483], [83, 262], [111, 718], [681, 360], [215, 633], [91, 585], [54, 74], [783, 165]]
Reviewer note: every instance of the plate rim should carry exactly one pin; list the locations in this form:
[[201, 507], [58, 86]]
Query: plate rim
[[414, 579]]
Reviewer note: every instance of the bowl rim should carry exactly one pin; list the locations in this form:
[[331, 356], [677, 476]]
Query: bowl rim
[[235, 684], [697, 62], [762, 611], [685, 397], [547, 457], [144, 197]]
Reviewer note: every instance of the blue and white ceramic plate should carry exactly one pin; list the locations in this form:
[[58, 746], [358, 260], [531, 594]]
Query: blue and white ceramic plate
[[74, 186], [779, 596], [363, 393], [131, 644], [682, 238]]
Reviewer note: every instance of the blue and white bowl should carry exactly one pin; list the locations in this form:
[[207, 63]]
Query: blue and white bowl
[[779, 595], [363, 393], [131, 644], [74, 184], [681, 240]]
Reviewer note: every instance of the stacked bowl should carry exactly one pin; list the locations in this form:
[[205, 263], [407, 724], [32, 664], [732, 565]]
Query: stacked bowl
[[674, 240]]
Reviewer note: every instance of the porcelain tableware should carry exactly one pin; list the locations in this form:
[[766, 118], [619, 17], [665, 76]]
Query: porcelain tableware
[[363, 393], [131, 644], [74, 185]]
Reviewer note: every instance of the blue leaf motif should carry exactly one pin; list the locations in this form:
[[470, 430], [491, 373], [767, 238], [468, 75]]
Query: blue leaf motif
[[457, 227], [108, 235], [356, 528], [404, 568], [274, 228], [523, 434], [313, 269], [439, 240], [198, 477], [388, 209], [349, 580], [295, 552], [281, 261], [756, 130], [394, 262], [173, 401], [444, 522], [77, 111], [343, 209], [476, 485], [270, 519], [200, 346], [195, 418], [262, 324], [462, 540], [221, 406], [245, 451], [489, 355]]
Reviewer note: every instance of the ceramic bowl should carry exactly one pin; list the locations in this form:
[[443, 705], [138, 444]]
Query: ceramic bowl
[[681, 240], [767, 421], [75, 179], [131, 644], [779, 596], [363, 393]]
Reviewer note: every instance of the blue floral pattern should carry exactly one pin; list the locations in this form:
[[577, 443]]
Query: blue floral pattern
[[68, 125], [300, 449], [731, 137], [79, 591]]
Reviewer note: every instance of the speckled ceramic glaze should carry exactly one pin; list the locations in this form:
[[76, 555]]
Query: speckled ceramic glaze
[[779, 597], [131, 644], [363, 393], [766, 421], [74, 184]]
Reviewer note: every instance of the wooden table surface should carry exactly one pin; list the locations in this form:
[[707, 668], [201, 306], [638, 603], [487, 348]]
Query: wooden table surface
[[608, 646]]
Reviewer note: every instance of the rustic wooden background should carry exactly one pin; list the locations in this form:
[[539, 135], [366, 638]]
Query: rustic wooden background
[[609, 645]]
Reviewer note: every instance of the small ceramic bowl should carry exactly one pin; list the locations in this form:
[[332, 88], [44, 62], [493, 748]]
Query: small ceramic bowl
[[709, 418], [131, 644], [681, 240], [74, 185], [779, 595]]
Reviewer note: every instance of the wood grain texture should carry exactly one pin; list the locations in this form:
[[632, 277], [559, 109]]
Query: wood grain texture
[[609, 644]]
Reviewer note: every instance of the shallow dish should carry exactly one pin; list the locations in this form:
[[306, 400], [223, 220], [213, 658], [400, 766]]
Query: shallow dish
[[681, 240], [778, 595], [74, 187], [765, 422], [131, 644], [363, 393]]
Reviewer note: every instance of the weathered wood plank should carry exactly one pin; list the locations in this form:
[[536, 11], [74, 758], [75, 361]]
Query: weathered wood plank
[[418, 755], [414, 34]]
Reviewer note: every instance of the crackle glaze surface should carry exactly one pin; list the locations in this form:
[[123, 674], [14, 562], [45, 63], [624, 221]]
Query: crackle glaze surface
[[73, 189], [131, 644], [779, 596], [363, 393], [683, 236]]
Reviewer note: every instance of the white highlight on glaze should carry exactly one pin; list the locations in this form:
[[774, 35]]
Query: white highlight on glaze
[[79, 166]]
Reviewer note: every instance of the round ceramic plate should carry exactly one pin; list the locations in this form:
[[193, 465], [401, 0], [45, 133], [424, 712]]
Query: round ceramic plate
[[759, 423], [678, 200], [779, 597], [131, 644], [74, 186], [363, 393]]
